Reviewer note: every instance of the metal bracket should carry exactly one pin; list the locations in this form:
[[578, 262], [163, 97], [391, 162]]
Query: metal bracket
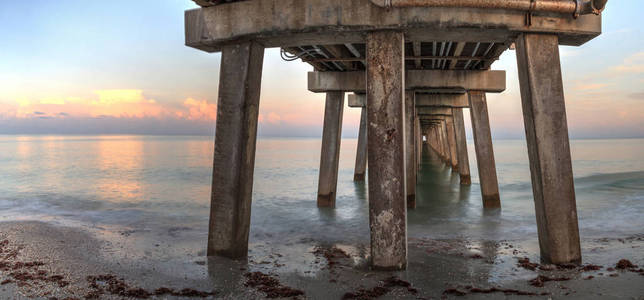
[[528, 14], [577, 9]]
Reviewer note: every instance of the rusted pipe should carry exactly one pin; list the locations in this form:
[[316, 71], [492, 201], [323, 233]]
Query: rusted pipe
[[575, 7]]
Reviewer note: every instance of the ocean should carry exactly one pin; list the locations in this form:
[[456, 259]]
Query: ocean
[[155, 189]]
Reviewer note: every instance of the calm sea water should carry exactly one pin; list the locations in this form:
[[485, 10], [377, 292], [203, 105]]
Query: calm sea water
[[159, 186]]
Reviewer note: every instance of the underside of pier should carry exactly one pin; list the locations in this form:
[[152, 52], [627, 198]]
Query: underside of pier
[[412, 66]]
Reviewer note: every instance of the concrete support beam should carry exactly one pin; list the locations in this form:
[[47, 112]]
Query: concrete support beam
[[544, 114], [434, 111], [448, 100], [286, 23], [433, 141], [488, 81], [386, 148], [480, 80], [357, 100], [432, 138], [410, 147], [330, 154], [361, 152], [451, 140], [445, 140], [422, 100], [234, 158], [436, 144], [461, 146], [419, 143], [484, 150]]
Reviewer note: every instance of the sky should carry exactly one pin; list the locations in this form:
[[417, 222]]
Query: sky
[[121, 67]]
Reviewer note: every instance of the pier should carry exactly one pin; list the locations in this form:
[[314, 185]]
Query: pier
[[412, 67]]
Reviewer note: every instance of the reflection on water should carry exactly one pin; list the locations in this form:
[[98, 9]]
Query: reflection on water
[[120, 163]]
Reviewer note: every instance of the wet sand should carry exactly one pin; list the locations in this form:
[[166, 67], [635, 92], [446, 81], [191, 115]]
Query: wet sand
[[467, 269]]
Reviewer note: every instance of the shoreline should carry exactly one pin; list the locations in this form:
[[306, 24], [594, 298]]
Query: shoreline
[[454, 268]]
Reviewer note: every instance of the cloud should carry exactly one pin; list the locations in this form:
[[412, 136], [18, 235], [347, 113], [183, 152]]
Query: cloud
[[121, 103], [113, 103], [199, 110], [112, 97], [631, 64], [271, 118], [590, 86]]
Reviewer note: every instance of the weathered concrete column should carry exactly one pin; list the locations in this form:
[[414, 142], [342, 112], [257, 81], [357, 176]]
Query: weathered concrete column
[[438, 143], [361, 153], [434, 143], [386, 148], [445, 143], [544, 115], [419, 142], [484, 150], [438, 147], [432, 139], [234, 158], [330, 157], [410, 147], [461, 146], [451, 140]]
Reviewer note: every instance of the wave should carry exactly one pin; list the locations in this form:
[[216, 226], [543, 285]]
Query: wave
[[623, 182]]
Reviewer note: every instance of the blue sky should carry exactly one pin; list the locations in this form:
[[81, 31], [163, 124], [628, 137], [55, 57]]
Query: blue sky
[[121, 67]]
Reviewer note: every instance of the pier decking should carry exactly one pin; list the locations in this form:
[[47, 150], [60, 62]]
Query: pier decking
[[412, 66]]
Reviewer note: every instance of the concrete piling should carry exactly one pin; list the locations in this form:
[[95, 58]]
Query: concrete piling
[[410, 148], [386, 149], [419, 143], [484, 150], [330, 154], [432, 140], [435, 141], [461, 146], [544, 115], [361, 153], [234, 158], [451, 140], [447, 155]]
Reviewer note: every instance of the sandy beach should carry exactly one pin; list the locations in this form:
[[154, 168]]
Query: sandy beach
[[79, 264]]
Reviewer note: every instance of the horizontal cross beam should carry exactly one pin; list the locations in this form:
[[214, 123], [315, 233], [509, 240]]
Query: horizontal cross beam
[[433, 111], [459, 100], [486, 81], [287, 23]]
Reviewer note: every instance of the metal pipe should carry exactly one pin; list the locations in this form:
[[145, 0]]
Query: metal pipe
[[576, 7], [421, 57]]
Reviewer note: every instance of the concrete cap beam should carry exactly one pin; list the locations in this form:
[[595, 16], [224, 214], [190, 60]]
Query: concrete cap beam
[[486, 81], [434, 111], [422, 100], [447, 100], [286, 23], [357, 100]]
